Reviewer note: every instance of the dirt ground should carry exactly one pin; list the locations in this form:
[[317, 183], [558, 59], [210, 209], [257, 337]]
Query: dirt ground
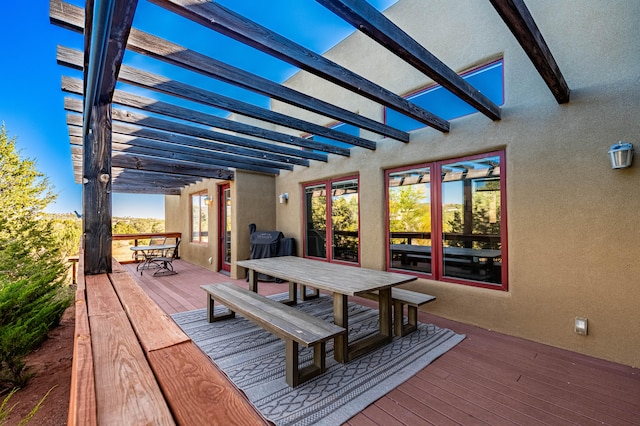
[[51, 364]]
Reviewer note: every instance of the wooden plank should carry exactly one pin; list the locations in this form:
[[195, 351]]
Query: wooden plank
[[227, 22], [373, 23], [180, 371], [126, 389], [519, 20], [154, 328], [144, 236], [101, 298], [82, 396]]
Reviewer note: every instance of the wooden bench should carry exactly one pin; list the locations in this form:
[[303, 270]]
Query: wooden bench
[[288, 323], [132, 364], [401, 297]]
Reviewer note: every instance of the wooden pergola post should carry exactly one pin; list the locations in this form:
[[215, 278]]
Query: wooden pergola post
[[96, 192], [107, 27]]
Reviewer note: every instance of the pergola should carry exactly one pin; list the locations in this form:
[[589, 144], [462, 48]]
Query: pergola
[[129, 151]]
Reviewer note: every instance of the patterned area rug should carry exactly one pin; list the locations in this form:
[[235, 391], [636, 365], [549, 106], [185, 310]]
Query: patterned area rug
[[254, 360]]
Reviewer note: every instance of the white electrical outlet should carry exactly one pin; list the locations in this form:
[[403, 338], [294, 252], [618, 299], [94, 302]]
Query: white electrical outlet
[[580, 325]]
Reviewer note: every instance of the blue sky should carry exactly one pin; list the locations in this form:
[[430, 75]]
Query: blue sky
[[31, 102]]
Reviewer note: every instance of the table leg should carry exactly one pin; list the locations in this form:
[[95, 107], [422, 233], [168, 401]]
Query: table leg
[[293, 294], [384, 307], [345, 352], [253, 280], [341, 318]]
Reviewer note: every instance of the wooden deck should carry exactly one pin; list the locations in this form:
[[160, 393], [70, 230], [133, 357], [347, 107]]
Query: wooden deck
[[490, 378]]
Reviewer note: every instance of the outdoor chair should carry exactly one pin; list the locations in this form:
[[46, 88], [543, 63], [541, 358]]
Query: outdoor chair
[[164, 262]]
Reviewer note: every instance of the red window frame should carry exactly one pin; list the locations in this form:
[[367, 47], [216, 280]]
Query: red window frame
[[436, 223], [328, 220]]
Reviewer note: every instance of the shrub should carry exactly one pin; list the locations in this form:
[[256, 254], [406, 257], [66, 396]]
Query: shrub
[[32, 292]]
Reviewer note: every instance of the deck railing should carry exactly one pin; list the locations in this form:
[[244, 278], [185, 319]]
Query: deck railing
[[122, 242]]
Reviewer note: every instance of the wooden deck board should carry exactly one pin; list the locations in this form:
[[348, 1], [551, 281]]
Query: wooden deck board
[[128, 392], [155, 329], [195, 401], [489, 377]]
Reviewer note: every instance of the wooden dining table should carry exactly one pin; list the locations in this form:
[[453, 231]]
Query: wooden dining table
[[342, 281]]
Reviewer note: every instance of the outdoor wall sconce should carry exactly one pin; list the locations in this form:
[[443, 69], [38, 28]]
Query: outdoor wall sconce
[[283, 197], [621, 155], [208, 200]]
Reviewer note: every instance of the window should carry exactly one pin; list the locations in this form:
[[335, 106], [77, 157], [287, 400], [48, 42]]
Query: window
[[489, 80], [334, 218], [446, 220], [199, 218]]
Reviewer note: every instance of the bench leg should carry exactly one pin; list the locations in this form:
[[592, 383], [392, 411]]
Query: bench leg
[[399, 328], [211, 317], [295, 376]]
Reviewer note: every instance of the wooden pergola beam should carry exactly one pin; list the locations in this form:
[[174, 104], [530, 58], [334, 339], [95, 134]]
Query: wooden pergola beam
[[218, 18], [70, 17], [519, 20], [73, 58], [161, 165], [73, 85], [373, 23], [183, 148], [202, 138]]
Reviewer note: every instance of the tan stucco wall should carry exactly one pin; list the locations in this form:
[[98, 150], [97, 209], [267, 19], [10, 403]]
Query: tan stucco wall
[[572, 221], [253, 201]]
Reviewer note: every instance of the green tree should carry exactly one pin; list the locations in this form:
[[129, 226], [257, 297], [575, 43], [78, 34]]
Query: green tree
[[32, 292]]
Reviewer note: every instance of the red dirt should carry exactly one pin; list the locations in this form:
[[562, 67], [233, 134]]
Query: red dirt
[[51, 364]]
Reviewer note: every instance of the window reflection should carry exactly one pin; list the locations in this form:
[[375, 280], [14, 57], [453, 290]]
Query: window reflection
[[410, 219]]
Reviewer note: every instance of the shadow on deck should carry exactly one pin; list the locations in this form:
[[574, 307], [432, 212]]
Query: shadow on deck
[[489, 378]]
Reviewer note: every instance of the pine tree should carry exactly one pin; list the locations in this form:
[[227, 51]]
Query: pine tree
[[32, 291]]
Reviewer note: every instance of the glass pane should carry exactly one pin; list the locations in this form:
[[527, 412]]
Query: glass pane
[[195, 218], [204, 220], [410, 219], [227, 226], [443, 103], [471, 219], [316, 217], [344, 220]]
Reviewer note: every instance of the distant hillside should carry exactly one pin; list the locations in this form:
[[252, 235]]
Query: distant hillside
[[120, 225]]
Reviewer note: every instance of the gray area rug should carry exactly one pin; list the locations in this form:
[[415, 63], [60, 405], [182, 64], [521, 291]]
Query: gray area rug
[[254, 360]]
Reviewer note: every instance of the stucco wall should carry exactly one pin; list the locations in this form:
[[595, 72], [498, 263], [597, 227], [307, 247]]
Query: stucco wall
[[572, 220], [253, 201]]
